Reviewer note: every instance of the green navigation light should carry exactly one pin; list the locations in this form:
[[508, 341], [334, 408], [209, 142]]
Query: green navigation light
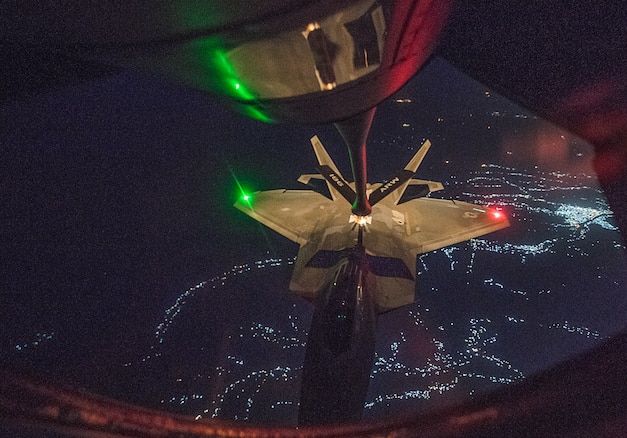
[[246, 197]]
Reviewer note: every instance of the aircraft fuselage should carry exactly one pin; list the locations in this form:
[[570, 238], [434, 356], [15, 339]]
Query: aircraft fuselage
[[340, 347]]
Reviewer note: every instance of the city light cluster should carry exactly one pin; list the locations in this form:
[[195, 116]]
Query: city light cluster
[[435, 353], [40, 338]]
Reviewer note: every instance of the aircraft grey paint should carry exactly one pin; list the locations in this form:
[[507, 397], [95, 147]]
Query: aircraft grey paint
[[353, 267], [393, 234]]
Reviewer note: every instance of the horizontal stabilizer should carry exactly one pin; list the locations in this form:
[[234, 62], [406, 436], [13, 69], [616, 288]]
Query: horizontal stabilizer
[[316, 182], [418, 188], [434, 186], [386, 188]]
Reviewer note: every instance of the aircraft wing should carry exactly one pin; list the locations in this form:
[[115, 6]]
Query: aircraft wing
[[419, 226], [291, 213], [435, 223], [425, 224]]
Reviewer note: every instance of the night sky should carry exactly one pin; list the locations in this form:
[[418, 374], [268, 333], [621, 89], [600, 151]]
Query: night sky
[[117, 199]]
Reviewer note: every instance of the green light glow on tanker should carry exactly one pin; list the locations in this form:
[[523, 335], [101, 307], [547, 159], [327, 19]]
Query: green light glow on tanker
[[234, 86], [227, 82]]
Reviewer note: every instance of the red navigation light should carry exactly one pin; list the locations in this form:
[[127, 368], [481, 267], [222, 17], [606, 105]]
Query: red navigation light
[[497, 214]]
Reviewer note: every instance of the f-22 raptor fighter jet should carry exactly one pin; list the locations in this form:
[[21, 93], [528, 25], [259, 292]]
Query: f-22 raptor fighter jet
[[354, 267], [398, 229]]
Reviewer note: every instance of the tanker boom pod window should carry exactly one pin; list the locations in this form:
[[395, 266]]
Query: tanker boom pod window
[[323, 51], [364, 35]]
